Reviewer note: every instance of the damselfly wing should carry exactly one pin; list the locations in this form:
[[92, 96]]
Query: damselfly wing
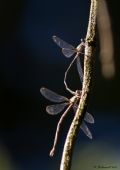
[[56, 108], [79, 69], [52, 96], [89, 119], [67, 49], [86, 130]]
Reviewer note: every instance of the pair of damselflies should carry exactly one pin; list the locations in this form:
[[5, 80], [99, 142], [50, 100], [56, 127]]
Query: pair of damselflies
[[62, 102]]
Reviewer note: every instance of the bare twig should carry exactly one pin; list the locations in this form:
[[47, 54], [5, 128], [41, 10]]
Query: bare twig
[[74, 128]]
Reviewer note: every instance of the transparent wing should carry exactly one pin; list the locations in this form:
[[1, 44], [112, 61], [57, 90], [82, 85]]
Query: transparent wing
[[55, 109], [52, 96], [79, 68], [68, 52], [86, 130], [83, 126], [89, 118], [62, 43]]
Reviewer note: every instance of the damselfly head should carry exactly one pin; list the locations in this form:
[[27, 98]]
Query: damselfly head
[[78, 93]]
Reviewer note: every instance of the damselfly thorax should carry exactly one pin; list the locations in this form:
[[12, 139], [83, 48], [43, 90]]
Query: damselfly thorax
[[76, 97]]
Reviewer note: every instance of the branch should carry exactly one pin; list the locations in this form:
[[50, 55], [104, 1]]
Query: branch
[[75, 125]]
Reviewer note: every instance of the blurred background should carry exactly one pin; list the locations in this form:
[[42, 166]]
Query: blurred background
[[29, 59]]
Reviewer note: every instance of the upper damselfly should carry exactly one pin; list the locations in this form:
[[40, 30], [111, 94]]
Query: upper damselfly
[[68, 51]]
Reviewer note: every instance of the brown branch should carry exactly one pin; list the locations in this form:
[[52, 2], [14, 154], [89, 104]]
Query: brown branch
[[75, 126]]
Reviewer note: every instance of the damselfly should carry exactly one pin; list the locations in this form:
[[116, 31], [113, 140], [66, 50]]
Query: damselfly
[[68, 51], [61, 103]]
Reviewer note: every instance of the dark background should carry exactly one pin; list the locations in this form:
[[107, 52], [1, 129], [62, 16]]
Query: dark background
[[29, 59]]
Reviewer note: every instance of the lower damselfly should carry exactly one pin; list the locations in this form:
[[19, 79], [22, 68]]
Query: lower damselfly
[[62, 103]]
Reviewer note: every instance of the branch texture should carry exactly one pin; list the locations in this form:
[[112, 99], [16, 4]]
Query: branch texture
[[79, 116]]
